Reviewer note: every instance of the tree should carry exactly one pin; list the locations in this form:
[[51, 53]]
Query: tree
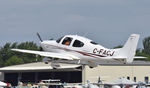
[[146, 45], [6, 53], [28, 58], [14, 60]]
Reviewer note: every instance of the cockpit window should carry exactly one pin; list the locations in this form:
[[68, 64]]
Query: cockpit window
[[78, 43], [59, 40], [67, 41], [94, 43]]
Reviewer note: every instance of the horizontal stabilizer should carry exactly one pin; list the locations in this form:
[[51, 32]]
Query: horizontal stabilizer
[[140, 57]]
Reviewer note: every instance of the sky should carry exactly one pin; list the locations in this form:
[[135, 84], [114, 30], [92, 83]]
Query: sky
[[108, 22]]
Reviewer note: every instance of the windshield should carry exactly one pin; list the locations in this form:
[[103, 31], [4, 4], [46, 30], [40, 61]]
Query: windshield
[[59, 39]]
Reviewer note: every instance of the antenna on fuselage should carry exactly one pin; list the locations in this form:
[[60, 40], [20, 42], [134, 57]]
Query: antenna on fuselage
[[39, 37]]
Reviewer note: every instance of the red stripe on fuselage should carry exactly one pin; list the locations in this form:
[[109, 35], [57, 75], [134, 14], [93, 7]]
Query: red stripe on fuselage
[[83, 53]]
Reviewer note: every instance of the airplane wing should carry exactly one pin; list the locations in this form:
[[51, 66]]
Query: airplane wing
[[48, 54], [140, 57]]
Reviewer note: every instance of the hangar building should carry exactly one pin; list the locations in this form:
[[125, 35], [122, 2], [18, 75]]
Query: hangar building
[[34, 72], [107, 72]]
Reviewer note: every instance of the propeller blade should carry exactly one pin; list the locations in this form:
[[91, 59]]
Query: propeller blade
[[39, 37]]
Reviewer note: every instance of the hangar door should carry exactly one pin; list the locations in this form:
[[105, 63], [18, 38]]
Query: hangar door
[[35, 77]]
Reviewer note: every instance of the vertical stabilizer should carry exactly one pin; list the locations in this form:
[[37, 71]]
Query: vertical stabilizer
[[129, 48]]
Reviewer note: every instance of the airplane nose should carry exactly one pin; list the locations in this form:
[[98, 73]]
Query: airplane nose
[[42, 46], [42, 43]]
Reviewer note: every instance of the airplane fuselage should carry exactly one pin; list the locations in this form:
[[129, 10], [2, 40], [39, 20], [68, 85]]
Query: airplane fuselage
[[87, 51]]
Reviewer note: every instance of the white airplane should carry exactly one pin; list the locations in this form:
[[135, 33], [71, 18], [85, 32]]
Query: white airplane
[[80, 50]]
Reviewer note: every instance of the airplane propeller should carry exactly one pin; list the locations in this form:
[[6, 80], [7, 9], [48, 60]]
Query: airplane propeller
[[39, 37], [40, 40]]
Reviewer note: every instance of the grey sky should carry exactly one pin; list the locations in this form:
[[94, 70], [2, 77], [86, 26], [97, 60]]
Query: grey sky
[[109, 22]]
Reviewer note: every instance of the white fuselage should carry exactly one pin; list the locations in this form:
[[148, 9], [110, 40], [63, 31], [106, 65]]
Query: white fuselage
[[88, 52]]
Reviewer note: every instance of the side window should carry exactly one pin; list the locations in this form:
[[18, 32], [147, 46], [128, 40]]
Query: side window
[[67, 41], [78, 43]]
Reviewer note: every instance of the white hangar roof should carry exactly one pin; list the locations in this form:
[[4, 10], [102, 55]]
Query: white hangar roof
[[38, 66], [42, 67]]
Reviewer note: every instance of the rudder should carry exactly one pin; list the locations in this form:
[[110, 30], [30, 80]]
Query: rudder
[[129, 49]]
